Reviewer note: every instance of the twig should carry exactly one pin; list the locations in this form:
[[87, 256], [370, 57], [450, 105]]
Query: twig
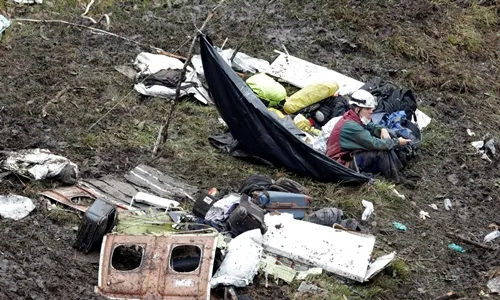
[[449, 295], [163, 133], [250, 29], [162, 52], [88, 8], [467, 241], [52, 101], [86, 27], [224, 44]]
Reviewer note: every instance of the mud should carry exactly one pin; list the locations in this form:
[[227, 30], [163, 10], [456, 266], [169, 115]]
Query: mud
[[407, 42]]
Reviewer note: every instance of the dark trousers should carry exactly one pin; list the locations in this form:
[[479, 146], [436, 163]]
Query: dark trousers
[[386, 163]]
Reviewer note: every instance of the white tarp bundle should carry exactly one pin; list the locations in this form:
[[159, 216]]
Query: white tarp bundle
[[149, 63], [40, 164], [337, 251], [15, 207]]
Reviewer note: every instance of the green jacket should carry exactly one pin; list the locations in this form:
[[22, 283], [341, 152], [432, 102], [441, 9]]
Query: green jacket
[[350, 135]]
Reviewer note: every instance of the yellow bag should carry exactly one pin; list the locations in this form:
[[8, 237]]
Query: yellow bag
[[267, 88], [309, 95]]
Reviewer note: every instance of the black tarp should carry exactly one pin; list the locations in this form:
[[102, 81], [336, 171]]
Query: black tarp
[[259, 131]]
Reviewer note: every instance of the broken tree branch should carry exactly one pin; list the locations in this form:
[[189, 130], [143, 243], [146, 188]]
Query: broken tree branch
[[467, 241], [163, 133], [250, 29], [86, 27]]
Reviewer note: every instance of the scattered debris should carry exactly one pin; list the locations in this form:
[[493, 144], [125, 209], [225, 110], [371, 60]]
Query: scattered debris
[[433, 206], [311, 288], [241, 262], [485, 148], [98, 220], [399, 226], [270, 265], [470, 132], [40, 164], [15, 207], [130, 265], [447, 204], [368, 209], [491, 236], [456, 248], [302, 275], [456, 236], [494, 285], [338, 251], [424, 215], [4, 23]]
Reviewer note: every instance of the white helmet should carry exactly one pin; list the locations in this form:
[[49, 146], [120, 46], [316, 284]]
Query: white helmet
[[363, 98]]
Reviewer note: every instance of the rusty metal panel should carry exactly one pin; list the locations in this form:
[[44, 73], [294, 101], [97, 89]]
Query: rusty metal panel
[[73, 196], [155, 278]]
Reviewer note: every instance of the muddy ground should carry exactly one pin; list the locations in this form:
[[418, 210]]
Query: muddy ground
[[446, 51]]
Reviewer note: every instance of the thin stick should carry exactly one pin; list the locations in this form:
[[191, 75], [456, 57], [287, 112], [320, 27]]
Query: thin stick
[[467, 241], [52, 101], [162, 52], [86, 27], [449, 295], [250, 30], [163, 133]]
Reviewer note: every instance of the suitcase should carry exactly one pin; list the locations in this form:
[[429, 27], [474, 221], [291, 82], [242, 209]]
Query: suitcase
[[296, 204], [247, 216], [99, 219], [203, 204]]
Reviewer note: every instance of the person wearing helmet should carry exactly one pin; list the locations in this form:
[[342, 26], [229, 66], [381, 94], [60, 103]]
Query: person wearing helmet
[[359, 144]]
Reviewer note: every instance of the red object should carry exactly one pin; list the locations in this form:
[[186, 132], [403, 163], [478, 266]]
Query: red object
[[213, 192]]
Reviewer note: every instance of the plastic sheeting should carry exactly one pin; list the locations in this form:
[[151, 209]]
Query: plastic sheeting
[[149, 63], [258, 130], [40, 164]]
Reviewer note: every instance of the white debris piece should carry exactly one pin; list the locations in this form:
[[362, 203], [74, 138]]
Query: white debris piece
[[424, 215], [470, 132], [15, 207], [29, 1], [433, 206], [368, 209], [241, 262], [41, 164], [337, 251], [4, 23], [491, 236]]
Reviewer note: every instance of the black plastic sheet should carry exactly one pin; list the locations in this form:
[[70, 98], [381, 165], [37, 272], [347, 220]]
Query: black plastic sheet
[[259, 131]]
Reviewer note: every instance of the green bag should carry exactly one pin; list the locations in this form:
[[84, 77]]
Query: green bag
[[267, 88]]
